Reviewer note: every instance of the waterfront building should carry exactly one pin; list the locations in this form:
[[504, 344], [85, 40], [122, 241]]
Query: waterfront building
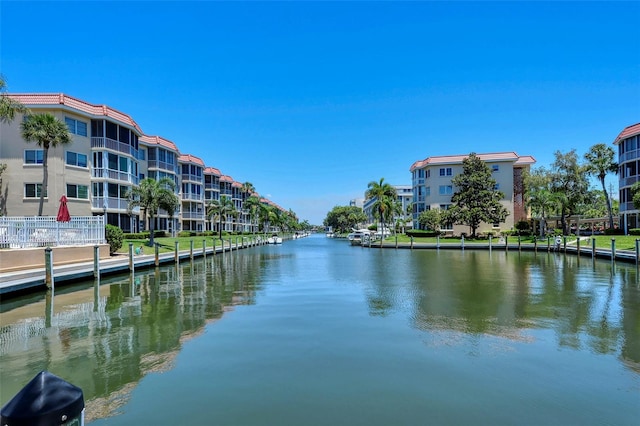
[[95, 171], [192, 194], [433, 188], [628, 143], [404, 198], [159, 159], [108, 156]]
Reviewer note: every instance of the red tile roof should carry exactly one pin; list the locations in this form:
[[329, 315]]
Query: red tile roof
[[628, 132], [34, 100], [157, 140], [227, 179], [457, 159], [236, 184], [212, 171], [188, 158]]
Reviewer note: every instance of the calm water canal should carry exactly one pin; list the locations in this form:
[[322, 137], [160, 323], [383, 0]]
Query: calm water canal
[[316, 332]]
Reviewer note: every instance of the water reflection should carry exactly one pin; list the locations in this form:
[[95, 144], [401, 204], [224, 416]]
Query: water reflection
[[107, 337]]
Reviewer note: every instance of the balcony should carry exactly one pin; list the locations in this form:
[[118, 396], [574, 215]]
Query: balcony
[[192, 197], [115, 175], [193, 215], [161, 165], [97, 142], [112, 203], [192, 178], [631, 155]]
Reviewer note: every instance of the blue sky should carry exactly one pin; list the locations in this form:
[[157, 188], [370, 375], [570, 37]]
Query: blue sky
[[311, 101]]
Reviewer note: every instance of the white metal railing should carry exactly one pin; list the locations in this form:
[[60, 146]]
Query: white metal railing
[[98, 142], [21, 232], [116, 175]]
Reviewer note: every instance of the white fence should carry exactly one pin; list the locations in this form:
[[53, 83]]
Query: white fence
[[21, 232]]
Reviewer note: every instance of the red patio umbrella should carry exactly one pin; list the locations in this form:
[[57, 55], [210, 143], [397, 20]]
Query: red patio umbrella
[[63, 211]]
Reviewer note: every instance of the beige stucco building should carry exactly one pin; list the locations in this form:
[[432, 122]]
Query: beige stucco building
[[433, 187]]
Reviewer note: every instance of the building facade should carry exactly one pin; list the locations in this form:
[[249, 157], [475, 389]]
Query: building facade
[[108, 156], [433, 187], [404, 198], [628, 143]]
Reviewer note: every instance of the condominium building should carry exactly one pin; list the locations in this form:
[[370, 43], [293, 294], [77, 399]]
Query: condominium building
[[108, 156], [628, 143], [433, 186], [404, 198]]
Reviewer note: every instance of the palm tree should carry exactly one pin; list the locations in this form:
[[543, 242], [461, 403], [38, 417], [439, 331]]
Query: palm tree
[[152, 195], [385, 196], [252, 204], [47, 132], [599, 163], [543, 201], [221, 209], [9, 107]]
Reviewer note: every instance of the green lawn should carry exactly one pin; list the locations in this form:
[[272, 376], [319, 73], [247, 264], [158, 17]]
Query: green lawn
[[167, 244]]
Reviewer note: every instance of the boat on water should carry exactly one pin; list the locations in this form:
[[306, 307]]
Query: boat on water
[[274, 239], [359, 236]]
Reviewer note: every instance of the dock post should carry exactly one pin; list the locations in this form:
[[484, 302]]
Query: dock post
[[578, 245], [593, 247], [535, 244], [613, 249], [519, 244], [506, 243], [96, 261], [637, 250], [462, 242], [548, 243], [564, 243], [438, 241], [48, 266], [191, 249], [157, 250], [176, 256], [131, 263], [489, 242], [412, 242], [204, 249]]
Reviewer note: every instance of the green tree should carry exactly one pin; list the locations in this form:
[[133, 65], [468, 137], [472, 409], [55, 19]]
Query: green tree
[[430, 219], [476, 199], [385, 196], [9, 107], [222, 209], [569, 183], [600, 162], [152, 195], [47, 132], [342, 218]]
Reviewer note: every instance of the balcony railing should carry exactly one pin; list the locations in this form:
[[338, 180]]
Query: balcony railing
[[192, 178], [628, 181], [193, 215], [112, 203], [98, 142], [157, 164], [629, 156], [115, 175], [192, 197], [625, 207]]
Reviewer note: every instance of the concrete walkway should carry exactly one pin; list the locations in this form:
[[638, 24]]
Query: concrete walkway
[[34, 279]]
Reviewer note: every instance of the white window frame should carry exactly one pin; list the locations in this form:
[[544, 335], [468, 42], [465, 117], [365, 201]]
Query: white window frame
[[66, 160], [41, 151], [72, 124], [77, 191], [38, 189], [445, 190]]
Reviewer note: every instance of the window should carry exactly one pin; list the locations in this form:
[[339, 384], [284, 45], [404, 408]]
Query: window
[[77, 191], [76, 159], [113, 162], [427, 191], [33, 190], [33, 156], [142, 154], [124, 164], [446, 171], [495, 168], [98, 189], [97, 160], [76, 127], [446, 190]]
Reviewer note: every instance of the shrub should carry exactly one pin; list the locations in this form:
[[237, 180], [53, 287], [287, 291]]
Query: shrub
[[114, 237], [610, 231], [634, 231], [420, 233]]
